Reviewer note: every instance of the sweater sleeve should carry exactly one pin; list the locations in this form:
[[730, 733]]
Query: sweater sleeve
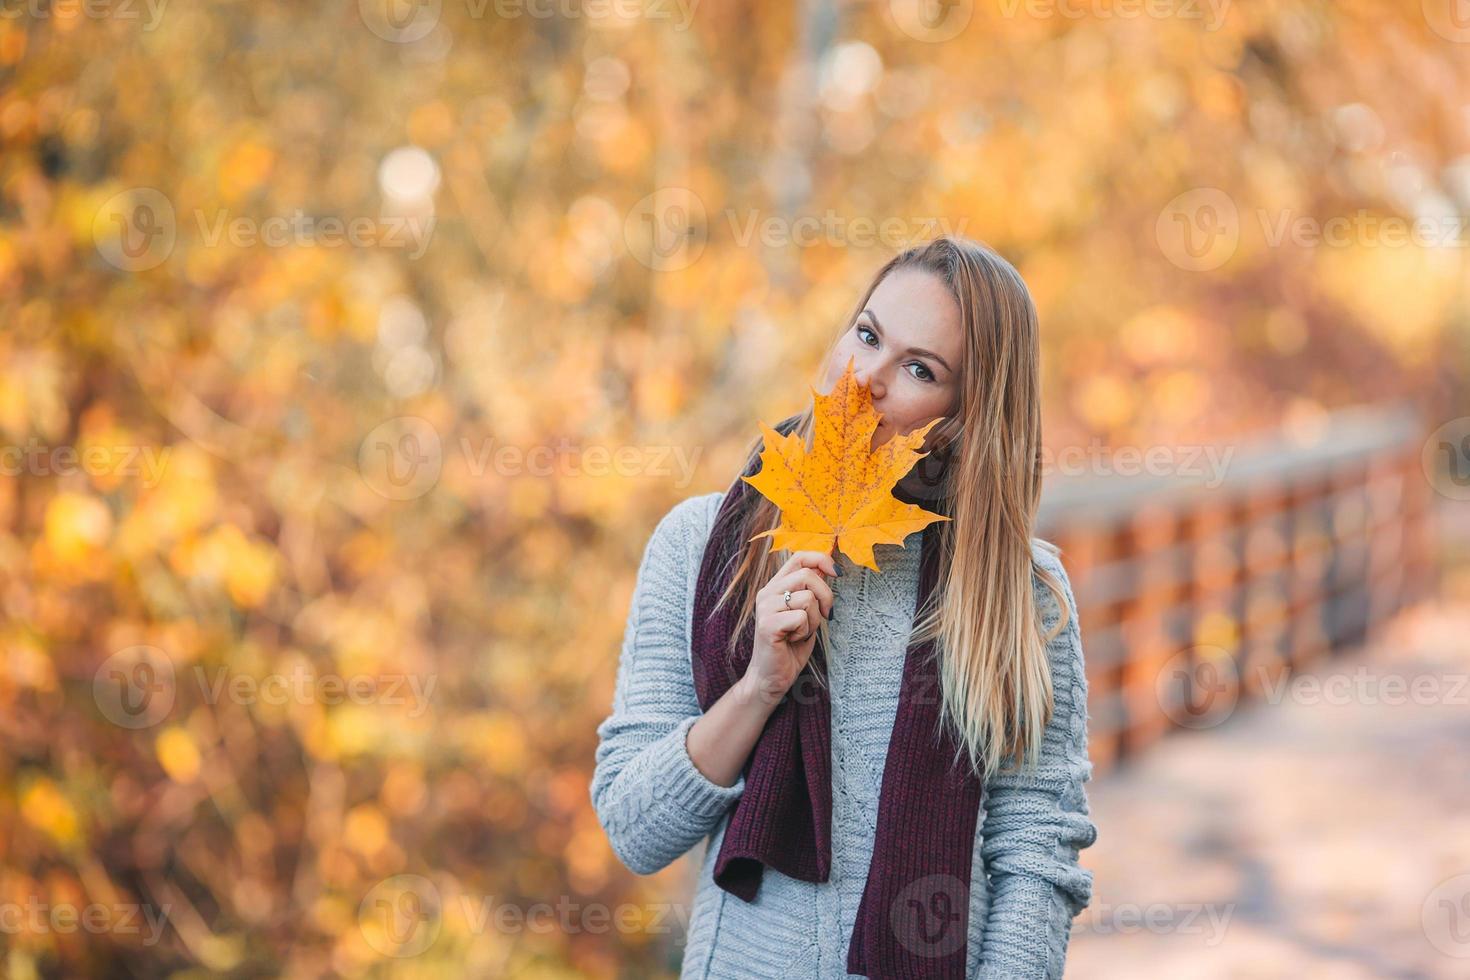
[[652, 802], [1035, 824]]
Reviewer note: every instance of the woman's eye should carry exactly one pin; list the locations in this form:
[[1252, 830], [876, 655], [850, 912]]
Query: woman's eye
[[927, 376]]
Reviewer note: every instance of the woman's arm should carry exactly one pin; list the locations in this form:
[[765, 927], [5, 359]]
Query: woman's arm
[[1035, 825], [652, 801]]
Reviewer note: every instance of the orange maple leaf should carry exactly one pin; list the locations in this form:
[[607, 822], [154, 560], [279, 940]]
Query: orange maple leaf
[[841, 492]]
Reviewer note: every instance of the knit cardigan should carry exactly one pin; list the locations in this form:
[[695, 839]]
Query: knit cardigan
[[655, 805]]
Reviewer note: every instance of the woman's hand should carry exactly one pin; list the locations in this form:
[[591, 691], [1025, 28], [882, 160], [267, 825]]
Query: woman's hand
[[720, 742], [785, 636]]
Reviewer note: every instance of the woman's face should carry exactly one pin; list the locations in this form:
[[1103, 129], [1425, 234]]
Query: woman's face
[[905, 345]]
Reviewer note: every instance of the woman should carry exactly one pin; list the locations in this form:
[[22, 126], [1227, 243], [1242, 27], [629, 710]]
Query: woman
[[787, 706]]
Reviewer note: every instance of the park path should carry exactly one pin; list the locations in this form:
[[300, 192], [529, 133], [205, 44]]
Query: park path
[[1323, 837]]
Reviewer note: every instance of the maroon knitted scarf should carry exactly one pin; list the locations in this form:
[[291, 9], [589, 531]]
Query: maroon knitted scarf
[[913, 918]]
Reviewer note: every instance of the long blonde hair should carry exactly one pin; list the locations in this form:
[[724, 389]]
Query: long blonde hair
[[994, 676]]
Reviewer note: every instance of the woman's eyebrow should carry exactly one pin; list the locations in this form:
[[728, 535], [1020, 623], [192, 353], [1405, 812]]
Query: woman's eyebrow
[[912, 350]]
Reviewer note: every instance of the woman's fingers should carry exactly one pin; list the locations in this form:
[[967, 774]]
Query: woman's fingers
[[794, 626], [801, 599], [822, 562], [808, 603], [811, 597], [818, 586], [805, 580]]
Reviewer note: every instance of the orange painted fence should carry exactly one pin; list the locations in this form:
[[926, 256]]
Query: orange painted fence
[[1199, 584]]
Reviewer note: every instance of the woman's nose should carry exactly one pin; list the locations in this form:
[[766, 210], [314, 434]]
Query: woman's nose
[[870, 381]]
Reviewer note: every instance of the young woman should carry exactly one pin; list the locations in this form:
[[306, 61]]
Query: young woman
[[888, 766]]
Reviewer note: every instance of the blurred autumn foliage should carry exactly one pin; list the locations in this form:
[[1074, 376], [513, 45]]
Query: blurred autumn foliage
[[327, 326]]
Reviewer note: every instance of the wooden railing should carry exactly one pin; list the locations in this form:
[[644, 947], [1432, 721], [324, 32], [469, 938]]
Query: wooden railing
[[1196, 591]]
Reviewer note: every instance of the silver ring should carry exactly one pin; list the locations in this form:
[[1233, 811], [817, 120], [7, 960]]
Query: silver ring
[[787, 598]]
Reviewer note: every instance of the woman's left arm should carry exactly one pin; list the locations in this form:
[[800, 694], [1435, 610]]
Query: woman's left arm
[[1035, 824]]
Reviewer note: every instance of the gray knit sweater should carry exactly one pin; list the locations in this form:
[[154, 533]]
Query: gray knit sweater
[[655, 806]]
